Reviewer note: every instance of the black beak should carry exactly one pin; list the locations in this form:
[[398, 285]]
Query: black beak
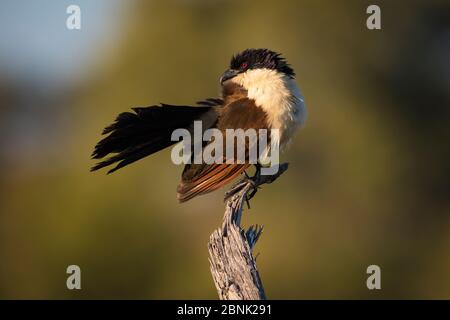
[[229, 74]]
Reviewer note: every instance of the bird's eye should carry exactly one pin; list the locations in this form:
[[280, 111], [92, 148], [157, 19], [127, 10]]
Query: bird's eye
[[244, 65]]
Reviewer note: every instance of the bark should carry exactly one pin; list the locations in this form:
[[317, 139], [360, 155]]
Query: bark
[[233, 266]]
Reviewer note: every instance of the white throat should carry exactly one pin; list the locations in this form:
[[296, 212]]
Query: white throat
[[280, 98]]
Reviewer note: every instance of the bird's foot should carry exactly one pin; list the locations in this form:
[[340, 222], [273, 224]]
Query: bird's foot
[[252, 183]]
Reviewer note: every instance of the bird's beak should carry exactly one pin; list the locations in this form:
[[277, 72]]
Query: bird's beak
[[229, 74]]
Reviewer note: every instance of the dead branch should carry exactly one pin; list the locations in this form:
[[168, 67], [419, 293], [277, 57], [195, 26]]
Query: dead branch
[[232, 264]]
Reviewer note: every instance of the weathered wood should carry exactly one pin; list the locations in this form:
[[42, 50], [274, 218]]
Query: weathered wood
[[232, 264]]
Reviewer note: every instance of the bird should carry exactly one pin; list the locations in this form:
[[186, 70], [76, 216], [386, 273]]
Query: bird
[[258, 91]]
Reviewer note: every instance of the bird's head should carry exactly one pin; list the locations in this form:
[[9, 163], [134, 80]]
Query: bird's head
[[259, 60], [268, 80]]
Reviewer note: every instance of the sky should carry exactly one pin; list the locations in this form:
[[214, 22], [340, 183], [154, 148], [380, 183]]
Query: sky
[[35, 43]]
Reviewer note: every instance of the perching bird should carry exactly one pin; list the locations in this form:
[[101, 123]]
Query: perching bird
[[258, 91]]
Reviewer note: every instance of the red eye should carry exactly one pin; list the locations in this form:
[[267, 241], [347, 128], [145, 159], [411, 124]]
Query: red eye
[[244, 65]]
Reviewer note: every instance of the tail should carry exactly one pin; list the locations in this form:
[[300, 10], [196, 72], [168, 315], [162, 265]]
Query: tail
[[135, 135]]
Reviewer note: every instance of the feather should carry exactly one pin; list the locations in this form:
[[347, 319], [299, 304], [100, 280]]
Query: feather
[[198, 179], [135, 135]]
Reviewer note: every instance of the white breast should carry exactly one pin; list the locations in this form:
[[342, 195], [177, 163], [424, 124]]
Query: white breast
[[280, 98]]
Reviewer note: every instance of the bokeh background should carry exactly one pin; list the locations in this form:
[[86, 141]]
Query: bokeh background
[[369, 174]]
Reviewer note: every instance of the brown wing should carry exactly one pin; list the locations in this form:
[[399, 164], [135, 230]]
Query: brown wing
[[198, 179]]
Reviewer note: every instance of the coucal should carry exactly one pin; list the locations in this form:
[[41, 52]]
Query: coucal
[[258, 91]]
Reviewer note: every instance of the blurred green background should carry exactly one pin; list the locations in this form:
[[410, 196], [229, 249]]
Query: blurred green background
[[369, 175]]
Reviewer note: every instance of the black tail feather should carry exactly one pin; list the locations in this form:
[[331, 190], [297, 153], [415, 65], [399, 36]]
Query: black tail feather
[[135, 135]]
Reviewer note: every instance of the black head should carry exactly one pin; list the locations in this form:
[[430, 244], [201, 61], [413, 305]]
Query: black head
[[257, 59]]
